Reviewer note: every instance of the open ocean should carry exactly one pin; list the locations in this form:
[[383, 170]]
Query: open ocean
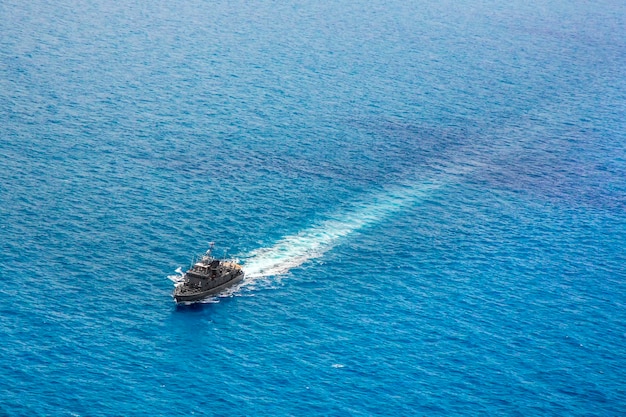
[[428, 198]]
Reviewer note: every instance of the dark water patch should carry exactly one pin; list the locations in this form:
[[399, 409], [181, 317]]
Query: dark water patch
[[576, 168]]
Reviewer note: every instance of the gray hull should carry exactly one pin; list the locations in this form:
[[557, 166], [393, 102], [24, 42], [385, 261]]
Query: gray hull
[[182, 295]]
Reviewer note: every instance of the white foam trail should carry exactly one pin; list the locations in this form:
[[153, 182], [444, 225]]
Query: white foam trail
[[292, 251]]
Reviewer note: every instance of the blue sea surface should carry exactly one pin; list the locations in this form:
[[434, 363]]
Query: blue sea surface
[[428, 199]]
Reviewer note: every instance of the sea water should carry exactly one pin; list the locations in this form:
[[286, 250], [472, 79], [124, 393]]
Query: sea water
[[428, 198]]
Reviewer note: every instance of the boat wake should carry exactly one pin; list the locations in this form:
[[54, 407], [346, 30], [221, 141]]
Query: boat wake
[[294, 250]]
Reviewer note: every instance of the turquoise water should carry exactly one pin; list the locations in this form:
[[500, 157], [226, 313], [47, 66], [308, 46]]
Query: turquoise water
[[429, 201]]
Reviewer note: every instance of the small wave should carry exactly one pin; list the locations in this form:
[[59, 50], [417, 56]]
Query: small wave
[[209, 300]]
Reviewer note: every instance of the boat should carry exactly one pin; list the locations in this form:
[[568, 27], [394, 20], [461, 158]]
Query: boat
[[207, 276]]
